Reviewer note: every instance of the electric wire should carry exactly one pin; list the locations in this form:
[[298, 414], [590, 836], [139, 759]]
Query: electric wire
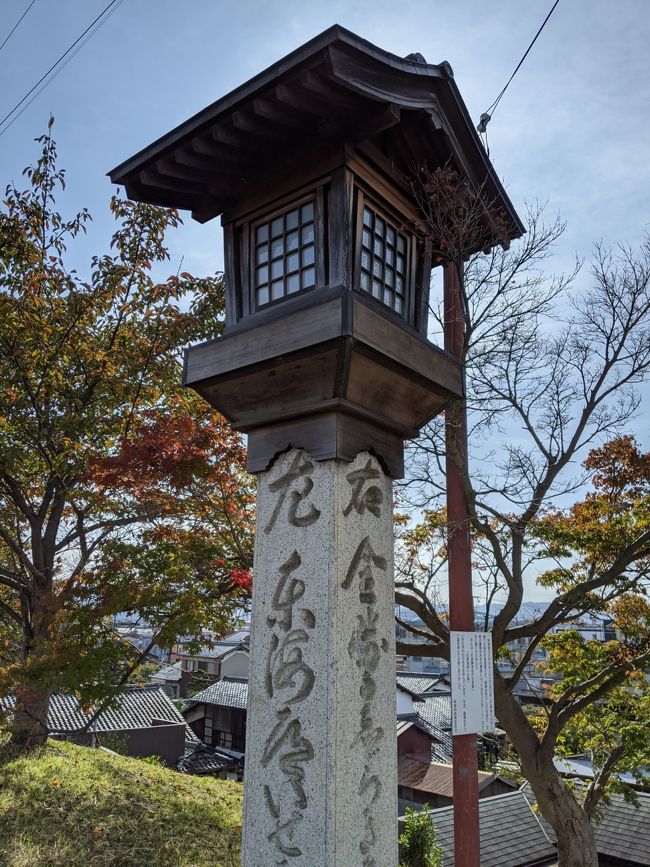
[[15, 27], [487, 115], [61, 67], [59, 64]]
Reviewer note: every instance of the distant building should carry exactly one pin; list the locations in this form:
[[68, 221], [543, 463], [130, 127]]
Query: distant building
[[140, 637], [191, 670], [172, 680], [431, 783]]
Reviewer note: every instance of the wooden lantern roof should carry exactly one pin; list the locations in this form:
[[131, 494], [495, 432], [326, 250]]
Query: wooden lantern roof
[[335, 89]]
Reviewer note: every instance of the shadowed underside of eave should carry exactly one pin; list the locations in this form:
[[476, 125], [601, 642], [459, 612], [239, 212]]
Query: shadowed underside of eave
[[335, 89]]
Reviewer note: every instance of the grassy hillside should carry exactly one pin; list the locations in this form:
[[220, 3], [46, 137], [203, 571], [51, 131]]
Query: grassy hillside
[[74, 806]]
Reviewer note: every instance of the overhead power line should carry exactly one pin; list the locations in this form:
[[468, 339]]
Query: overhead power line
[[59, 65], [15, 27], [487, 115]]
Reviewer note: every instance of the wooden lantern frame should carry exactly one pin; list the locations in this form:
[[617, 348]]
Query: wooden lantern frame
[[331, 369]]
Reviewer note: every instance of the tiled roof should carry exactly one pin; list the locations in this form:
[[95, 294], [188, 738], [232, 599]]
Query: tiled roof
[[403, 725], [436, 711], [135, 708], [622, 830], [64, 714], [216, 650], [434, 778], [228, 692], [418, 683], [168, 672], [407, 689], [580, 766], [406, 720], [511, 834], [242, 636], [201, 759]]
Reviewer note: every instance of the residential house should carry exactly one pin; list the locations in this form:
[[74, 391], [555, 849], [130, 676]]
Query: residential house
[[210, 761], [422, 683], [217, 715], [414, 737], [143, 721], [173, 680], [227, 657], [421, 782]]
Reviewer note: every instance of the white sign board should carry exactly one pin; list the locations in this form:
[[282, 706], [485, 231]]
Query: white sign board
[[472, 686]]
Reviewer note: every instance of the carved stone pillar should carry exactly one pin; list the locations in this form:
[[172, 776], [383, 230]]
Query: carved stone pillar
[[320, 786]]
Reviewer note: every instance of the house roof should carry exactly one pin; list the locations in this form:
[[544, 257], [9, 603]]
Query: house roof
[[406, 720], [581, 766], [433, 777], [168, 672], [135, 708], [227, 692], [201, 759], [511, 834], [622, 829], [333, 87], [436, 711], [217, 650], [242, 635], [420, 683], [405, 688], [64, 714]]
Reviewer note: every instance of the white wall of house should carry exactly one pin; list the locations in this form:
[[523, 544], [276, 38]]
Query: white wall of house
[[235, 664], [404, 702]]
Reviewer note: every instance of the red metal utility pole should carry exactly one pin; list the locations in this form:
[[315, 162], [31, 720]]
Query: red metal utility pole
[[461, 608]]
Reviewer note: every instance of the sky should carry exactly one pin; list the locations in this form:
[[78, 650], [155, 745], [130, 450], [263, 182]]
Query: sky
[[572, 130]]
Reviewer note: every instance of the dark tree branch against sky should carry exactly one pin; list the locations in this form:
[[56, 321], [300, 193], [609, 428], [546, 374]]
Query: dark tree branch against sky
[[558, 494]]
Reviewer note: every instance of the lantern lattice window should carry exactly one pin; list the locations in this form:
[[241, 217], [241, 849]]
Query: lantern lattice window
[[284, 254], [383, 267]]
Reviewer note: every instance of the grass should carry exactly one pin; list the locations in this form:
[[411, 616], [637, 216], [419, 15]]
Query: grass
[[76, 806]]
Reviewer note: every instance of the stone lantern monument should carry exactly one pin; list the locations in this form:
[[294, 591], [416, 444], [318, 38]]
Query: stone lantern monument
[[324, 363]]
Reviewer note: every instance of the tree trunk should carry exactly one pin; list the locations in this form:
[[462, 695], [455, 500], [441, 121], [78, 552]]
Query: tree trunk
[[574, 833], [29, 728], [576, 842]]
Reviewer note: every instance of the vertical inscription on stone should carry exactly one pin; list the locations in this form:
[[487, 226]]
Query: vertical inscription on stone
[[299, 472], [363, 497], [365, 648], [288, 679]]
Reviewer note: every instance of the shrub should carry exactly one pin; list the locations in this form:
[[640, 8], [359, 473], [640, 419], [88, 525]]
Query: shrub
[[418, 847]]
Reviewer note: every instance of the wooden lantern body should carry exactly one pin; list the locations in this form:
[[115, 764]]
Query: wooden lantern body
[[327, 279]]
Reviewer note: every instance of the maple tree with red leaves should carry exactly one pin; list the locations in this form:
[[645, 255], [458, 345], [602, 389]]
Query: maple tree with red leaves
[[119, 491]]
